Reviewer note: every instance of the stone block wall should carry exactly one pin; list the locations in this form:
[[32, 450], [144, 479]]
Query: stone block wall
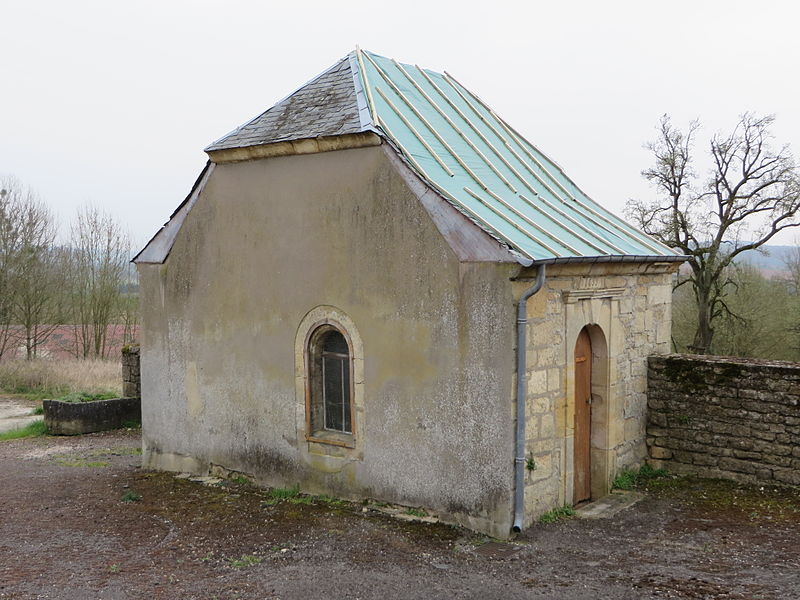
[[131, 374], [723, 417]]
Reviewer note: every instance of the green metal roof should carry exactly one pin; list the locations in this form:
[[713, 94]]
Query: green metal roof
[[488, 171]]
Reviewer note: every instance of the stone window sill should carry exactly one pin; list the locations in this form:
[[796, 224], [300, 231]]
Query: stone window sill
[[333, 438]]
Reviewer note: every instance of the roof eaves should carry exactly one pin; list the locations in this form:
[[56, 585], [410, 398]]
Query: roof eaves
[[160, 245], [614, 258]]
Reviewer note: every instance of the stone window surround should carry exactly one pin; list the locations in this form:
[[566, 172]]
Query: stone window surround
[[333, 446]]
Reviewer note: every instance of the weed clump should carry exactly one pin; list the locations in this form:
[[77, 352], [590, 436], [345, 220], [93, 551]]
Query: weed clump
[[246, 560], [558, 514], [131, 496], [629, 479]]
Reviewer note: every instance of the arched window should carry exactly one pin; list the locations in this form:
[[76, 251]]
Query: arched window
[[330, 381]]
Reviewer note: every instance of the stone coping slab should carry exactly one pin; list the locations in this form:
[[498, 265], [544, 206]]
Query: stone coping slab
[[75, 418]]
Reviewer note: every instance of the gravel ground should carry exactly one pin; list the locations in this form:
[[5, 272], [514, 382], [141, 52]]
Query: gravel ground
[[65, 532]]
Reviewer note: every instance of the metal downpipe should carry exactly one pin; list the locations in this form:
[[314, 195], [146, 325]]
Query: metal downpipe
[[522, 395]]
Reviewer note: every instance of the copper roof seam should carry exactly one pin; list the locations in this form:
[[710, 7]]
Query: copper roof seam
[[510, 221], [640, 236], [570, 207], [414, 131], [450, 80], [460, 206], [427, 124], [455, 127], [530, 154], [528, 220], [514, 131], [513, 135], [479, 133], [455, 85], [577, 235]]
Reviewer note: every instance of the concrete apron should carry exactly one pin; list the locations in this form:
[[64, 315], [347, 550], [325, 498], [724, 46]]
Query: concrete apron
[[14, 415], [609, 505]]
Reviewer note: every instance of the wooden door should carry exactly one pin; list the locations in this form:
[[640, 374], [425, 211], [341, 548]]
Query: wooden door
[[583, 417]]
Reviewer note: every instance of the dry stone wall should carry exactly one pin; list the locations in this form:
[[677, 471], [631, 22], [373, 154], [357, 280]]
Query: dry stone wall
[[131, 375], [722, 417]]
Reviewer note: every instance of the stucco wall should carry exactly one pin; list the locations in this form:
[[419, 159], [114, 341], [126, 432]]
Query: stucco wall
[[628, 309], [267, 242]]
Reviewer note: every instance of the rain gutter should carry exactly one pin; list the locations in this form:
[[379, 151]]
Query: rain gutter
[[522, 395]]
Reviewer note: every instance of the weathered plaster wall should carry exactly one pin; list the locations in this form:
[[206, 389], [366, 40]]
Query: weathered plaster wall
[[267, 242], [725, 417], [628, 309]]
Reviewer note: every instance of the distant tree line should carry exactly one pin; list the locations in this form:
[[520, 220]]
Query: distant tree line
[[86, 282], [749, 194]]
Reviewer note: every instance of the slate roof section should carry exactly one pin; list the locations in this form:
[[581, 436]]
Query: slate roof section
[[325, 106]]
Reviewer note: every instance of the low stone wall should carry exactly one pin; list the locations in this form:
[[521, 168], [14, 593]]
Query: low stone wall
[[131, 374], [75, 418], [724, 417]]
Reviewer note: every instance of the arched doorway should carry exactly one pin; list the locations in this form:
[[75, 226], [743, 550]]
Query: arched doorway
[[582, 441]]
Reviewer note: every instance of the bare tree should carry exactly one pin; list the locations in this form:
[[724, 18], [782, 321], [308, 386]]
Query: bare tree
[[99, 255], [40, 277], [27, 232], [129, 305], [752, 193], [792, 263]]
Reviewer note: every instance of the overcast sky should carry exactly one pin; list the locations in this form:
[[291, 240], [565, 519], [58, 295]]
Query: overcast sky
[[113, 102]]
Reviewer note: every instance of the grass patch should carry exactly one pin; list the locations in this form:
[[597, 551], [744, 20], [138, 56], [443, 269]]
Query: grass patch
[[43, 378], [629, 479], [558, 514], [416, 512], [80, 462], [39, 410], [291, 495], [34, 429], [329, 500], [78, 397], [131, 496], [131, 424], [246, 560]]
